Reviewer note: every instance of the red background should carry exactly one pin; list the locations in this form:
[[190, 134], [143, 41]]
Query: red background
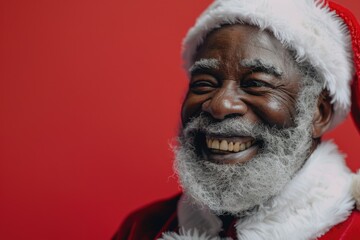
[[90, 93]]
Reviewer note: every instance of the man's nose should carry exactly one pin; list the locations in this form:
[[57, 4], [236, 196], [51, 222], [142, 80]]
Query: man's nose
[[226, 102]]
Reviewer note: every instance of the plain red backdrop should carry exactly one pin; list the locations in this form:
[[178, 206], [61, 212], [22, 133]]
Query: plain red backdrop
[[90, 93]]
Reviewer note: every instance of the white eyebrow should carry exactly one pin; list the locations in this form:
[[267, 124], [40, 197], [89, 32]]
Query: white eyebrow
[[262, 66], [204, 63]]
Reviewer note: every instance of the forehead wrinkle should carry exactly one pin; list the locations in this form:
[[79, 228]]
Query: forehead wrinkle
[[205, 63], [261, 64]]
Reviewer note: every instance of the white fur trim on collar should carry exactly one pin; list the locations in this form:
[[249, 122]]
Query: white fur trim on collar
[[356, 189], [315, 200], [306, 26]]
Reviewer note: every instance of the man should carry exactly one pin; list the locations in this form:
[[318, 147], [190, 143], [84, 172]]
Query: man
[[267, 79]]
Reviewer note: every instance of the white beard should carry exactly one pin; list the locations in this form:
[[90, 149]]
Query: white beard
[[238, 189]]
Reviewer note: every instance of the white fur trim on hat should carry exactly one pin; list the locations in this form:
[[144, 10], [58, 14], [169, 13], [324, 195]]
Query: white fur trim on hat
[[309, 27]]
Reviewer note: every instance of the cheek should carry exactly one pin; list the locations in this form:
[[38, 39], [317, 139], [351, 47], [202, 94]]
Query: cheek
[[191, 107], [276, 112], [274, 105]]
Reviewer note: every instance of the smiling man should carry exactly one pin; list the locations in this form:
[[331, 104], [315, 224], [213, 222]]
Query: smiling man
[[245, 134], [267, 78]]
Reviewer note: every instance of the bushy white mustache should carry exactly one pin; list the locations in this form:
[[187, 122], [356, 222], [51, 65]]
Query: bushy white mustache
[[231, 127]]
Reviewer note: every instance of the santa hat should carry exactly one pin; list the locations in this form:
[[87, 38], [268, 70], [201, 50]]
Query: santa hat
[[321, 32]]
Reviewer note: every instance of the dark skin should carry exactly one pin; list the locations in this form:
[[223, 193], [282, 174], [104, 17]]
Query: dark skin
[[251, 76]]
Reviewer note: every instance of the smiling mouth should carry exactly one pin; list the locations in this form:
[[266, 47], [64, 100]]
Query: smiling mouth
[[229, 150], [229, 145]]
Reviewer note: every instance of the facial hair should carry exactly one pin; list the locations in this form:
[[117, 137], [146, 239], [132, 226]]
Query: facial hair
[[239, 189]]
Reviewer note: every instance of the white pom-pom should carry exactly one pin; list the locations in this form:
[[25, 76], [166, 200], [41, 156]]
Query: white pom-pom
[[356, 189]]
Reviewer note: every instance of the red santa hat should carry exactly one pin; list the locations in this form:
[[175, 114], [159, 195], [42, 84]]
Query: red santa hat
[[321, 32]]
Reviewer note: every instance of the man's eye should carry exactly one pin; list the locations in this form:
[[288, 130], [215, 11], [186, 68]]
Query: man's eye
[[202, 86], [254, 84]]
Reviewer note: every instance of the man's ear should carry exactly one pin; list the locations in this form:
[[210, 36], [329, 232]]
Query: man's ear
[[322, 115]]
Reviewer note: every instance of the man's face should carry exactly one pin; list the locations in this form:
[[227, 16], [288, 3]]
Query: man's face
[[244, 135], [240, 71]]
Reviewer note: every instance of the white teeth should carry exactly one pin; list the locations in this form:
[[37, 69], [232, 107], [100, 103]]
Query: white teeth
[[215, 144], [237, 147], [231, 146], [228, 146], [242, 147], [224, 145]]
